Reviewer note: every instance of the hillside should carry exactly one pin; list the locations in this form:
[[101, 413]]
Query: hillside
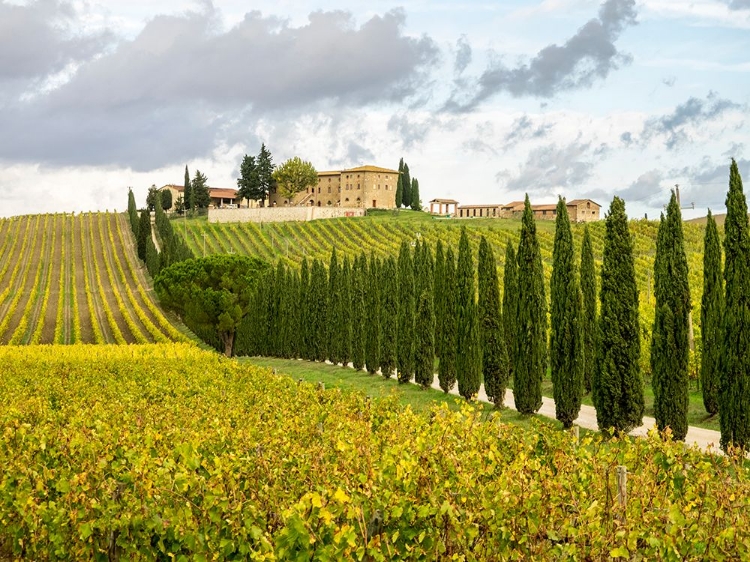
[[383, 233], [75, 279]]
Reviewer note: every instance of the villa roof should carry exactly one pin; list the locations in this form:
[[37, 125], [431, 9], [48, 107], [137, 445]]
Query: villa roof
[[371, 169], [577, 201], [449, 201]]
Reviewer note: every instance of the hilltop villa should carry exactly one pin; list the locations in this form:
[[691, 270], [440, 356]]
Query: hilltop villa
[[365, 186]]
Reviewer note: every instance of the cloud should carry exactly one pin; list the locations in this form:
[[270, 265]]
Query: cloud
[[170, 93], [550, 170], [36, 39], [739, 4], [524, 129], [674, 127], [588, 56], [463, 55], [410, 131]]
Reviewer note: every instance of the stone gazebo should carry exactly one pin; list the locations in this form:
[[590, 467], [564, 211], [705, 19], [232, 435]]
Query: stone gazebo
[[443, 204]]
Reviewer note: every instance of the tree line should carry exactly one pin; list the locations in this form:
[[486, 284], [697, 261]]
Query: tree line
[[407, 189]]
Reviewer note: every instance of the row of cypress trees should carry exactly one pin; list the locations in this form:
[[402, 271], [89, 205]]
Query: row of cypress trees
[[392, 316]]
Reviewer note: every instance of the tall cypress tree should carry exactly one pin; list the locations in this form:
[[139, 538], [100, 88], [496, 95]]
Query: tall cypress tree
[[510, 303], [132, 212], [495, 370], [734, 393], [439, 296], [358, 325], [373, 317], [304, 311], [530, 354], [406, 313], [389, 317], [424, 360], [406, 186], [345, 313], [400, 185], [566, 334], [144, 233], [416, 202], [318, 312], [188, 198], [588, 290], [669, 344], [712, 311], [617, 388], [469, 360], [334, 322], [447, 365]]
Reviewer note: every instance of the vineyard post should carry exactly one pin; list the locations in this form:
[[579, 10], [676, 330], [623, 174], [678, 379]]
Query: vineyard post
[[622, 487]]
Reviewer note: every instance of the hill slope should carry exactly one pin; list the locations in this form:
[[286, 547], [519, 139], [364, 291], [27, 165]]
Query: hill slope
[[75, 279]]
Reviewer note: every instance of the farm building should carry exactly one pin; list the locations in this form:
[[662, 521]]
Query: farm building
[[580, 210], [221, 198], [365, 186]]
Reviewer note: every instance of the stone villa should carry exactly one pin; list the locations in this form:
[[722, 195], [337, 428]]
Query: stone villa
[[580, 210], [365, 187]]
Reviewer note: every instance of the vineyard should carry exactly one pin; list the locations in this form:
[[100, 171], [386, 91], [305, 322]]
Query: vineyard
[[160, 452], [383, 234], [75, 279]]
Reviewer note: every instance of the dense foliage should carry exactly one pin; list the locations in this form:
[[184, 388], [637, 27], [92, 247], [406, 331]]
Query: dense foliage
[[617, 386], [168, 452], [669, 348], [588, 291], [712, 310], [566, 324]]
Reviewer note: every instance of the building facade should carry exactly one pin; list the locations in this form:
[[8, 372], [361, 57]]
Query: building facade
[[579, 210], [368, 187], [221, 198]]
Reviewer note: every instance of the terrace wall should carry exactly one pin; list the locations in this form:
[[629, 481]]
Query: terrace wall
[[282, 214]]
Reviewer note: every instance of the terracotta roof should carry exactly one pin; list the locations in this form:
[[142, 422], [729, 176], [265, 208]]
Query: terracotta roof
[[513, 205], [543, 207], [450, 201], [219, 192], [577, 201], [371, 169], [179, 188], [330, 173], [479, 206]]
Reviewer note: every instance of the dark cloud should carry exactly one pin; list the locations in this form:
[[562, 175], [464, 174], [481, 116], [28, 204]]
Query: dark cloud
[[626, 138], [463, 55], [645, 189], [170, 93], [739, 4], [409, 131], [669, 81], [588, 56], [550, 167], [695, 111], [524, 129], [36, 39]]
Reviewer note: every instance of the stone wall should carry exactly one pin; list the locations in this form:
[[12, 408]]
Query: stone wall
[[281, 214]]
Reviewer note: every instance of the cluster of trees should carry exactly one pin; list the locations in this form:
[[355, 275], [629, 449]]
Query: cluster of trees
[[392, 316], [195, 194], [256, 176], [157, 198], [407, 189]]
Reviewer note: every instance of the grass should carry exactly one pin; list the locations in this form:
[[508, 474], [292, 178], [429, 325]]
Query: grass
[[376, 386], [697, 415]]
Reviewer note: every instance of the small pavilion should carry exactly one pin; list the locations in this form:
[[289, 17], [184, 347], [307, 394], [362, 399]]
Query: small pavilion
[[443, 206]]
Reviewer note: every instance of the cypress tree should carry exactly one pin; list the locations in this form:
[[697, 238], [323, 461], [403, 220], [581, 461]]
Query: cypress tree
[[373, 317], [304, 311], [144, 233], [510, 303], [669, 343], [712, 311], [588, 290], [566, 334], [494, 354], [406, 186], [400, 185], [188, 198], [318, 312], [734, 390], [358, 309], [530, 354], [132, 212], [389, 316], [344, 301], [406, 313], [447, 365], [424, 368], [439, 297], [416, 202], [283, 287], [334, 322], [617, 389], [469, 360]]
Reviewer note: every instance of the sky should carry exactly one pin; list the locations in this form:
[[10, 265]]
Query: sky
[[485, 100]]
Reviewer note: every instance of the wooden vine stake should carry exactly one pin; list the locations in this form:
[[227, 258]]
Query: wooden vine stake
[[622, 488]]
